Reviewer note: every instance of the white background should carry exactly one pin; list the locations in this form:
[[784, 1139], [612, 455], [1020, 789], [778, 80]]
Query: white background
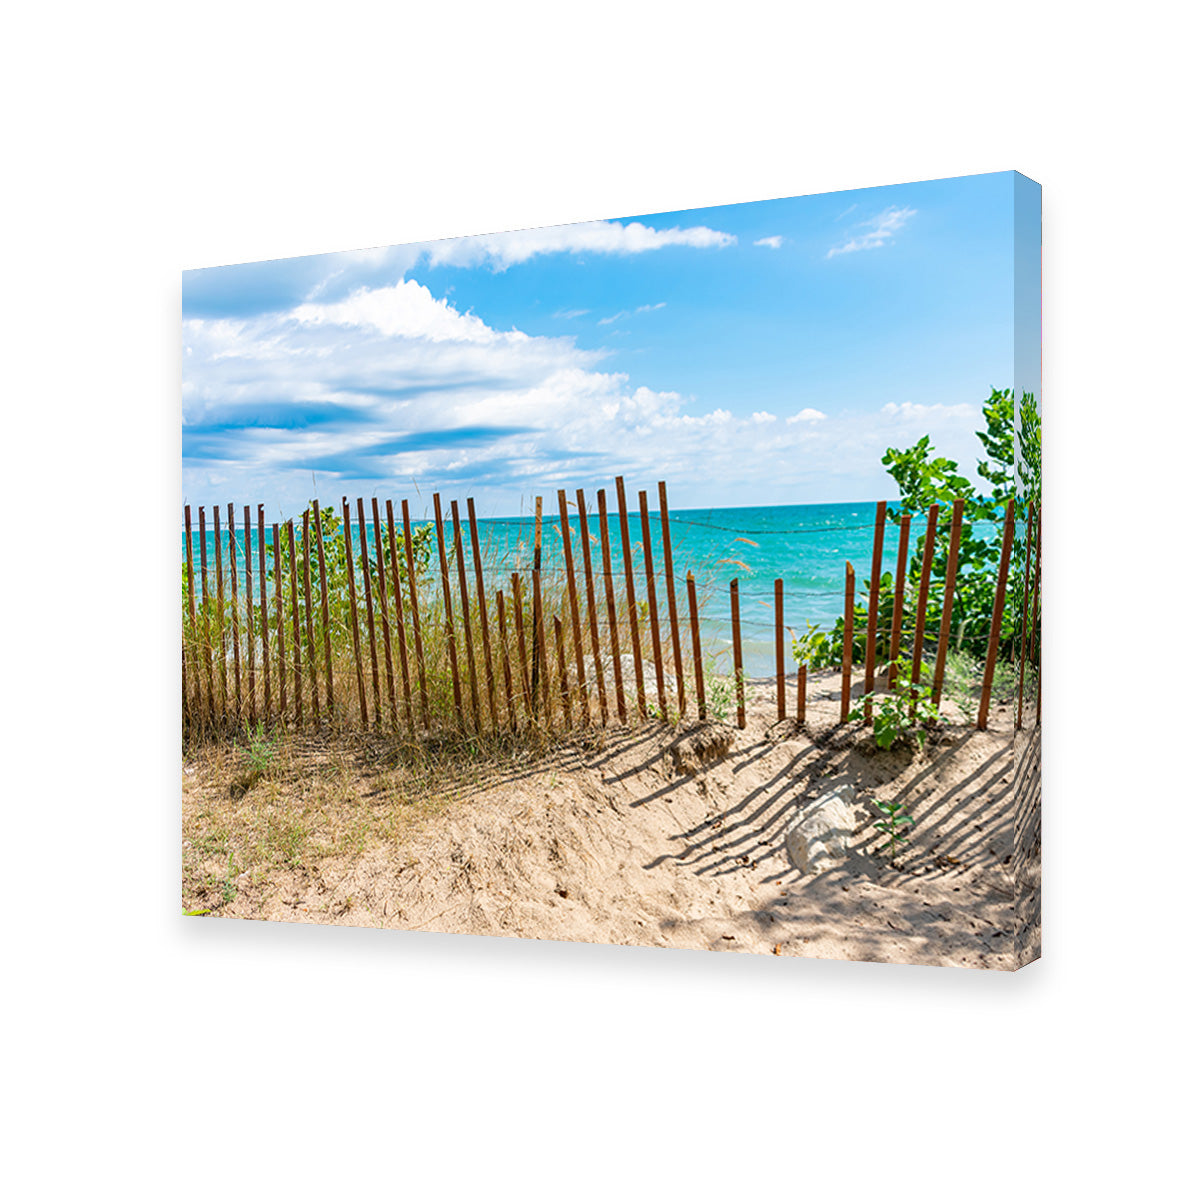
[[149, 1055]]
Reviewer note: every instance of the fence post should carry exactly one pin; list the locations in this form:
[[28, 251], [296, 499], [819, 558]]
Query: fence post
[[585, 538], [1025, 611], [310, 639], [939, 670], [651, 600], [898, 600], [1036, 634], [801, 693], [385, 624], [297, 689], [265, 627], [418, 649], [206, 621], [847, 643], [540, 666], [563, 682], [367, 596], [247, 558], [997, 617], [326, 636], [697, 655], [522, 649], [465, 596], [505, 661], [219, 558], [280, 636], [573, 602], [484, 632], [873, 609], [187, 525], [672, 607], [780, 679], [348, 542], [614, 632], [401, 632], [631, 596], [738, 676], [922, 603], [233, 610]]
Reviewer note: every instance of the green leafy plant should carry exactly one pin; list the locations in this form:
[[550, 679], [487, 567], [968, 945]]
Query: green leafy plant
[[720, 694], [260, 748], [901, 713], [894, 819]]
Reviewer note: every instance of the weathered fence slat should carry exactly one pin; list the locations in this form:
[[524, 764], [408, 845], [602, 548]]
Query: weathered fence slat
[[923, 602], [451, 647], [465, 596], [847, 643], [505, 660], [280, 636], [415, 609], [873, 607], [522, 649], [306, 546], [631, 596], [652, 601], [738, 676], [369, 599], [939, 670], [348, 542], [206, 622], [219, 558], [198, 715], [264, 619], [401, 631], [801, 693], [585, 539], [233, 613], [481, 594], [1035, 649], [385, 624], [898, 600], [573, 603], [563, 682], [610, 600], [697, 655], [297, 677], [248, 559], [985, 697], [780, 679], [540, 667], [1028, 554], [326, 635], [672, 605]]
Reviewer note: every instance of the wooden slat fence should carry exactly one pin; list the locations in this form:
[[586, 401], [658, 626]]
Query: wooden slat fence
[[318, 639]]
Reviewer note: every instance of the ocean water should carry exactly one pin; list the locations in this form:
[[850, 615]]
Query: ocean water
[[805, 545]]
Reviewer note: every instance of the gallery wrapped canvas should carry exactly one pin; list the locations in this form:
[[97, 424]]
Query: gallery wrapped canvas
[[666, 581]]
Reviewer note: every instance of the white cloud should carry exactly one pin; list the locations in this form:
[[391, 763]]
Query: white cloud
[[876, 232], [502, 250], [569, 314], [762, 418], [926, 412], [642, 308], [807, 414], [774, 242]]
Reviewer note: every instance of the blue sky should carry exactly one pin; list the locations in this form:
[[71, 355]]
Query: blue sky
[[763, 353]]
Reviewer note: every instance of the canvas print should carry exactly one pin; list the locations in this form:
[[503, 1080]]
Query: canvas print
[[670, 580]]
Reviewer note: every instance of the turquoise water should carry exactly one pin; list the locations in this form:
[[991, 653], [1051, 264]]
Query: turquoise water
[[805, 545]]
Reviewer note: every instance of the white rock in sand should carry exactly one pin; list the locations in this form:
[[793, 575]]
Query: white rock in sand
[[820, 832]]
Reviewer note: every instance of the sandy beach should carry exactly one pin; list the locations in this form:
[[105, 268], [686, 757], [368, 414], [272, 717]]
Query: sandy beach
[[652, 836]]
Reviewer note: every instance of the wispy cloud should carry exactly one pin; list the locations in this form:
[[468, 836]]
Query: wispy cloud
[[806, 414], [570, 314], [762, 418], [925, 412], [876, 232], [642, 308], [502, 250], [773, 242]]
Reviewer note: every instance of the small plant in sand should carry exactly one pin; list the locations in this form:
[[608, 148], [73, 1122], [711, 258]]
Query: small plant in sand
[[894, 819], [720, 693], [902, 713], [260, 748]]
